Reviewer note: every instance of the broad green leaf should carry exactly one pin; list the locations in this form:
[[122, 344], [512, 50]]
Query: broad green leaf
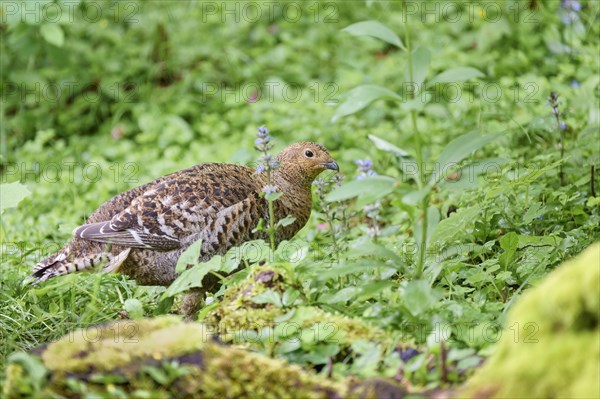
[[273, 196], [459, 74], [289, 296], [189, 257], [11, 194], [342, 296], [192, 277], [419, 297], [288, 345], [420, 59], [369, 189], [454, 228], [537, 241], [369, 248], [508, 243], [53, 34], [268, 296], [417, 103], [370, 289], [134, 308], [33, 367], [374, 29], [533, 212], [361, 96], [286, 221], [386, 146], [414, 197], [458, 149]]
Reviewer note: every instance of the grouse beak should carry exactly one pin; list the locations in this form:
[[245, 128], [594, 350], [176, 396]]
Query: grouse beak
[[332, 165]]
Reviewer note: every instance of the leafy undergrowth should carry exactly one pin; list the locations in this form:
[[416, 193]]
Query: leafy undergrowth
[[431, 258]]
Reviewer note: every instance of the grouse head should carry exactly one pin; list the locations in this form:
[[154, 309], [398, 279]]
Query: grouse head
[[305, 161]]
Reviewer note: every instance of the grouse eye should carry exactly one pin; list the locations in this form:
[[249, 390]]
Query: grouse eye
[[309, 153]]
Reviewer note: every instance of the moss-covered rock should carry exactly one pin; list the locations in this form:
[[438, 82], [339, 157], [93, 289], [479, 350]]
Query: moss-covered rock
[[551, 347], [265, 311], [162, 357], [240, 312]]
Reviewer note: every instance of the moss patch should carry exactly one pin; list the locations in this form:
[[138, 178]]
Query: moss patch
[[552, 345], [164, 358]]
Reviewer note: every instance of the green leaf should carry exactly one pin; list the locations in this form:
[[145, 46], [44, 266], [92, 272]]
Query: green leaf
[[414, 197], [369, 189], [268, 296], [192, 277], [273, 196], [386, 146], [370, 289], [189, 257], [433, 219], [53, 34], [537, 241], [369, 248], [157, 374], [454, 228], [134, 308], [361, 96], [11, 194], [342, 296], [533, 211], [420, 59], [286, 221], [458, 149], [374, 29], [289, 296], [33, 366], [508, 243], [419, 297], [459, 74]]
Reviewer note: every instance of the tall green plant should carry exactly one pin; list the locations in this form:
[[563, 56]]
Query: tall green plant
[[409, 99]]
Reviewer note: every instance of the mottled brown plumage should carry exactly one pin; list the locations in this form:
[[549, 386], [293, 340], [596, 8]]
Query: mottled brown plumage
[[142, 232]]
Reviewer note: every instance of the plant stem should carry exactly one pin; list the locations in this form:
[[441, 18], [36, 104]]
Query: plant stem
[[418, 154], [271, 216], [271, 225]]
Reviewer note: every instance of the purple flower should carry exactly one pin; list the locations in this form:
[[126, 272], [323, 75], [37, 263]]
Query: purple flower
[[365, 168], [263, 132], [263, 144], [569, 11], [269, 189], [570, 4]]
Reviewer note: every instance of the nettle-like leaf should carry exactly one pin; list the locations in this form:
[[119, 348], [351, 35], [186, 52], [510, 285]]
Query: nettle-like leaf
[[375, 29], [360, 97]]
